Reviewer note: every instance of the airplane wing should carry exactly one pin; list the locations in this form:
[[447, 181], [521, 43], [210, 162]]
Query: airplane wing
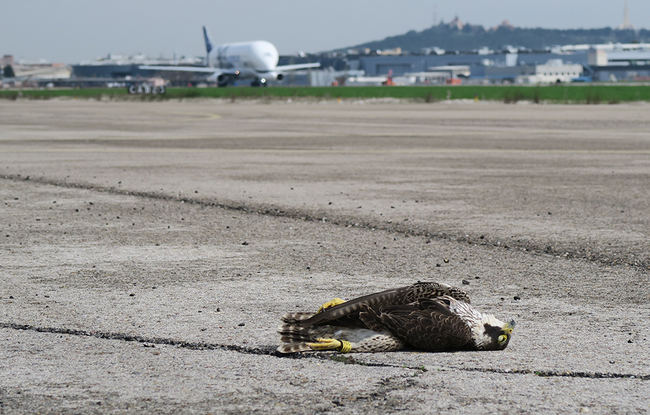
[[200, 69], [297, 66], [222, 76]]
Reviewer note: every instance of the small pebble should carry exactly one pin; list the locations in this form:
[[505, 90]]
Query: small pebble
[[241, 324], [465, 282], [244, 243], [516, 298]]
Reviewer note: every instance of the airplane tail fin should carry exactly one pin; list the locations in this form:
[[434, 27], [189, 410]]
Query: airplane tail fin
[[208, 46]]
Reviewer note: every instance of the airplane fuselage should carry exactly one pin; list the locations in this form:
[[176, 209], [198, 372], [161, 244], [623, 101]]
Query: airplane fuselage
[[259, 56]]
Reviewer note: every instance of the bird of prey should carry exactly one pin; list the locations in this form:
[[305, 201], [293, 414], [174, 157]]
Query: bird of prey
[[425, 316]]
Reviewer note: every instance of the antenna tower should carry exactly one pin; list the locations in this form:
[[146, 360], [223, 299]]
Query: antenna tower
[[626, 18]]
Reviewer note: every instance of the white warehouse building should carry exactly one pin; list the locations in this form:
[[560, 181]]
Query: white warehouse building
[[553, 72]]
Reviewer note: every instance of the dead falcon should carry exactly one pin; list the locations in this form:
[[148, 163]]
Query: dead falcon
[[426, 316]]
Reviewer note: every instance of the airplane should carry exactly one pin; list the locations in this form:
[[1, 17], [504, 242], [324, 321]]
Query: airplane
[[256, 60]]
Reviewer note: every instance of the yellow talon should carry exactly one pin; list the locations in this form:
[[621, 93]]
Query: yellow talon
[[342, 346], [330, 304]]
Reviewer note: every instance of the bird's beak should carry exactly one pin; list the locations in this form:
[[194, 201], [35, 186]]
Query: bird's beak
[[508, 327]]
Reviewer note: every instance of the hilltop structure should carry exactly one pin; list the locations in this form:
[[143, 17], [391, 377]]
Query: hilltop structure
[[626, 18]]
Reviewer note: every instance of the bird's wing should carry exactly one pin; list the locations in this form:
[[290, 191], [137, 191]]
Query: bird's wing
[[396, 296], [426, 325]]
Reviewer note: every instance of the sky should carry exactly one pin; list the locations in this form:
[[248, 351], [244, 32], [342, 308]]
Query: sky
[[80, 30]]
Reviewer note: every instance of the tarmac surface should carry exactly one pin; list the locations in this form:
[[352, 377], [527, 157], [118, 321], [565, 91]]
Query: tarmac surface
[[148, 250]]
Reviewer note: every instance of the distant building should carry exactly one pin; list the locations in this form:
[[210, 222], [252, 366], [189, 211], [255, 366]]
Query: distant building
[[117, 67], [504, 25], [7, 60], [619, 63], [456, 23], [403, 64], [390, 52], [553, 71], [597, 57]]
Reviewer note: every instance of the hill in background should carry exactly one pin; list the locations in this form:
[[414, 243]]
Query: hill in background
[[466, 37]]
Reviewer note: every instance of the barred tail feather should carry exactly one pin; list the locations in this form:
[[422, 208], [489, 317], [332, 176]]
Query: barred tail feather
[[293, 347], [293, 318], [293, 336], [291, 333]]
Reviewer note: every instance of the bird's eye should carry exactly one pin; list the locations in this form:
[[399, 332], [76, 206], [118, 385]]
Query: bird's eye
[[502, 339]]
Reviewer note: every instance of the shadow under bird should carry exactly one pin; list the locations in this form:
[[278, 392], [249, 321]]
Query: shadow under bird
[[426, 316]]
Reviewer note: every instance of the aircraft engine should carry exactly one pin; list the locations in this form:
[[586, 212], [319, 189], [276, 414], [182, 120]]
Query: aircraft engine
[[280, 77], [223, 79]]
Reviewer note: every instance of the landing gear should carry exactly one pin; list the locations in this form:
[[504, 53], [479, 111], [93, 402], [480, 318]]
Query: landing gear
[[259, 82]]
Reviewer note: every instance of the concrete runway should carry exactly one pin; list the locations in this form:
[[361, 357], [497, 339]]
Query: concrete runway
[[148, 250]]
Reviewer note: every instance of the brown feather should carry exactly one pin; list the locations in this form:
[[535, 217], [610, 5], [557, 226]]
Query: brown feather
[[403, 295]]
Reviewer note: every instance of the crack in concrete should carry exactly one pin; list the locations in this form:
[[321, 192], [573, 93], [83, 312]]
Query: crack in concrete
[[270, 351], [553, 373], [308, 215]]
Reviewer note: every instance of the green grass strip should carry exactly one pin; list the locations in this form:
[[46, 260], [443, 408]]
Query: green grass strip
[[589, 94]]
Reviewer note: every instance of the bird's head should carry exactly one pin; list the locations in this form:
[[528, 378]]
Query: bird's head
[[496, 334]]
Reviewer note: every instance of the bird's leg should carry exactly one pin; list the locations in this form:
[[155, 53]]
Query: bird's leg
[[330, 304], [321, 344]]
